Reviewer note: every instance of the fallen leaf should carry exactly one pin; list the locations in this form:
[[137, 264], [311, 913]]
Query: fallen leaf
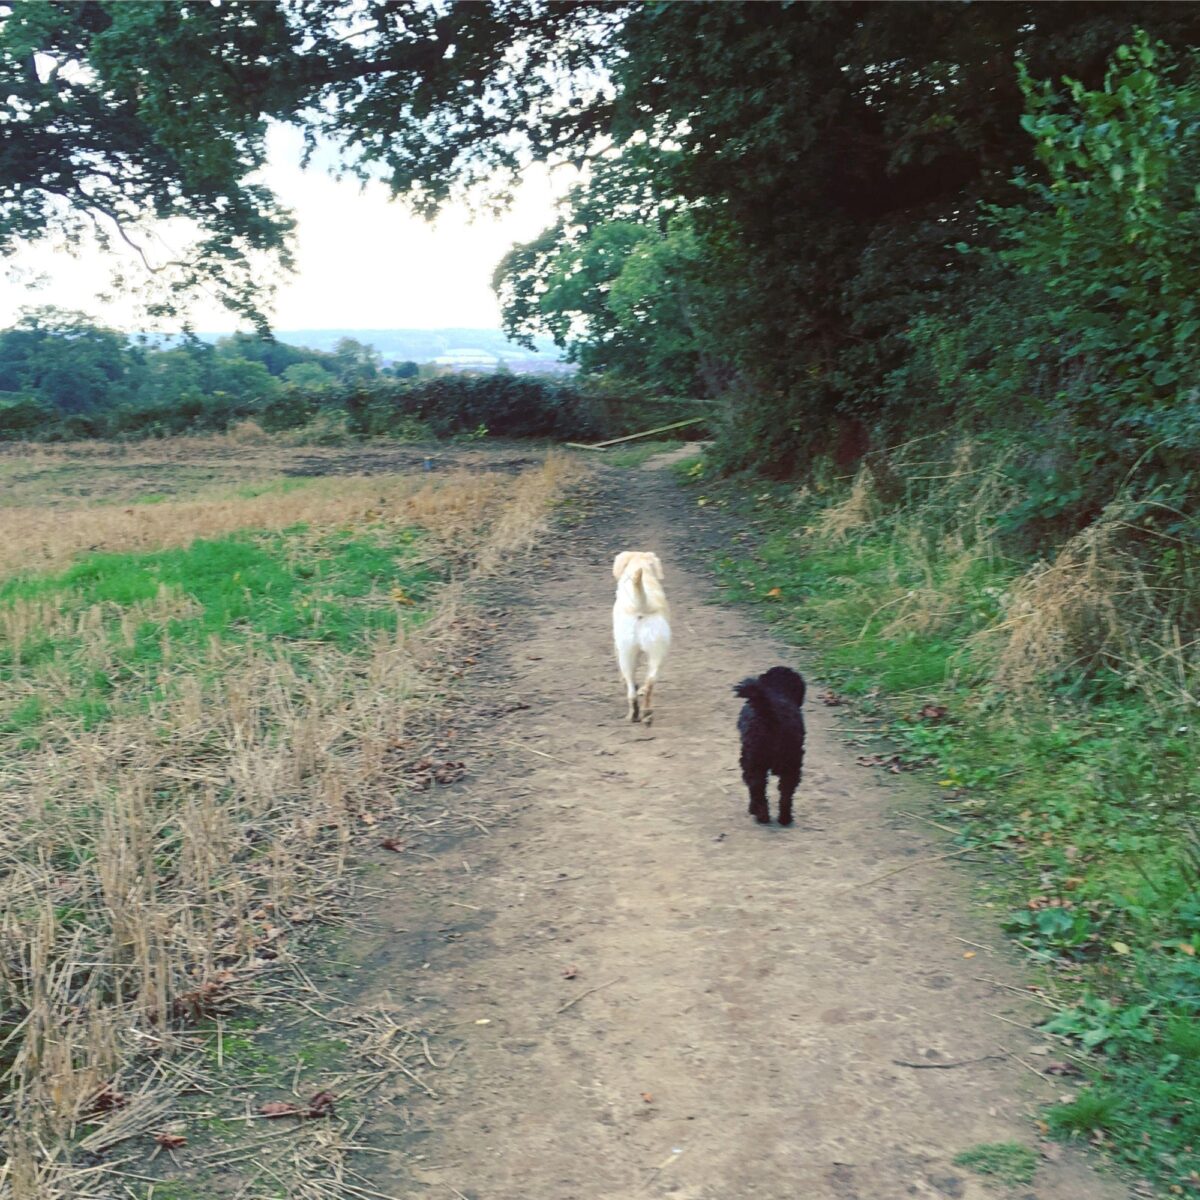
[[934, 712], [107, 1099], [1187, 948], [392, 844], [649, 1099], [968, 954], [1050, 1151], [1121, 947], [774, 593], [401, 596], [279, 1108], [320, 1104], [366, 818], [170, 1141], [1061, 1068], [570, 972], [207, 1000], [483, 1021]]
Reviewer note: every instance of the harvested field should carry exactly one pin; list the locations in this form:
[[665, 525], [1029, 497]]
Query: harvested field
[[204, 702]]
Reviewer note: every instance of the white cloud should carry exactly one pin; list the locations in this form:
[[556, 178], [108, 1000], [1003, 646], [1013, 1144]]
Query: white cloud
[[362, 261]]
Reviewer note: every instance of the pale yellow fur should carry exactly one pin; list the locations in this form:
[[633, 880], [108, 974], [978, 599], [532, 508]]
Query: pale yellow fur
[[641, 622]]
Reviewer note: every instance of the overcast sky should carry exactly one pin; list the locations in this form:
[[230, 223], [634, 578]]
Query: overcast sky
[[362, 262]]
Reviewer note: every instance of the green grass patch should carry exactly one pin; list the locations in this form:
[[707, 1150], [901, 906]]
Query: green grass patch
[[119, 627], [1086, 794], [1007, 1162]]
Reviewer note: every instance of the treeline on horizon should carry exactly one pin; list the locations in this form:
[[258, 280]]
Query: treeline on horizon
[[64, 377]]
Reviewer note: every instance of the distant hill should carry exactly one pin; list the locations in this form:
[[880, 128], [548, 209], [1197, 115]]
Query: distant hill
[[415, 345]]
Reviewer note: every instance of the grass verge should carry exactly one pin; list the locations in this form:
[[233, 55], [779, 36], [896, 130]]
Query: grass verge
[[1054, 702]]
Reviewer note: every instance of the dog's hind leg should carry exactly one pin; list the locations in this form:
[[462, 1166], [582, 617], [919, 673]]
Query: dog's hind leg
[[787, 787], [627, 659], [756, 781], [655, 653], [645, 694]]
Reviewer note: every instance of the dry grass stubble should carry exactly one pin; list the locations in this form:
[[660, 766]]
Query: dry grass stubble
[[154, 865]]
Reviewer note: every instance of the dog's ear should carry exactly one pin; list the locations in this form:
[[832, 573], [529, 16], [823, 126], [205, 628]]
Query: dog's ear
[[619, 563], [655, 566]]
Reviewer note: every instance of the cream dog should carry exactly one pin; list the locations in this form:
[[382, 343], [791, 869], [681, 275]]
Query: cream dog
[[641, 621]]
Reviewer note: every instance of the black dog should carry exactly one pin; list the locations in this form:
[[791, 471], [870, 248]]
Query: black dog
[[772, 729]]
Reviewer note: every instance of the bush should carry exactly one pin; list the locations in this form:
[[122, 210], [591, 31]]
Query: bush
[[504, 405], [21, 416], [293, 407], [1081, 330]]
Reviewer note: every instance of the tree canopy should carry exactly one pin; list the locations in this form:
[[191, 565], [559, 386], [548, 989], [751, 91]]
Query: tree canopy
[[799, 125], [772, 190]]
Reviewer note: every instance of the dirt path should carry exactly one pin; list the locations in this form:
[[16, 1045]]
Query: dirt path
[[739, 995]]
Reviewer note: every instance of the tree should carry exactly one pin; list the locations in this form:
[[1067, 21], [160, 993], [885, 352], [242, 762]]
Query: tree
[[274, 355], [827, 153], [122, 112], [66, 361], [1081, 331], [308, 375], [354, 361], [825, 176]]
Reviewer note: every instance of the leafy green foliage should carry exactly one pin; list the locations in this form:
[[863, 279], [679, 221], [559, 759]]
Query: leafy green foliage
[[1096, 1108], [120, 113], [822, 182], [66, 361], [618, 280], [1082, 328]]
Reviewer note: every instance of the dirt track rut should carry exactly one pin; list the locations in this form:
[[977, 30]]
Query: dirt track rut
[[741, 994]]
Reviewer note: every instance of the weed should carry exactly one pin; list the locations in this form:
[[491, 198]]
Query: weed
[[1009, 1162], [1092, 1109]]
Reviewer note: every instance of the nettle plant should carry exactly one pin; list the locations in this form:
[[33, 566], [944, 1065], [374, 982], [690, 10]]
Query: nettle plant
[[1110, 236]]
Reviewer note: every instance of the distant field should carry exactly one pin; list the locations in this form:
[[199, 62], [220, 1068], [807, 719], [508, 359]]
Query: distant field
[[66, 474], [209, 654]]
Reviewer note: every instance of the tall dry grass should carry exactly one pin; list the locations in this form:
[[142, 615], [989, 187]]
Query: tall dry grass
[[1089, 606], [1092, 607], [154, 864]]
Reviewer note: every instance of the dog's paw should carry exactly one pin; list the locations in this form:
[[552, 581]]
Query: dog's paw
[[763, 818], [785, 818], [648, 719]]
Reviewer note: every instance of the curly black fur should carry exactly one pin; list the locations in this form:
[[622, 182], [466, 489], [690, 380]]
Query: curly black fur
[[772, 729]]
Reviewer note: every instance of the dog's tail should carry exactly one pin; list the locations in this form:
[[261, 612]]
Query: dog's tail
[[651, 597], [757, 696]]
